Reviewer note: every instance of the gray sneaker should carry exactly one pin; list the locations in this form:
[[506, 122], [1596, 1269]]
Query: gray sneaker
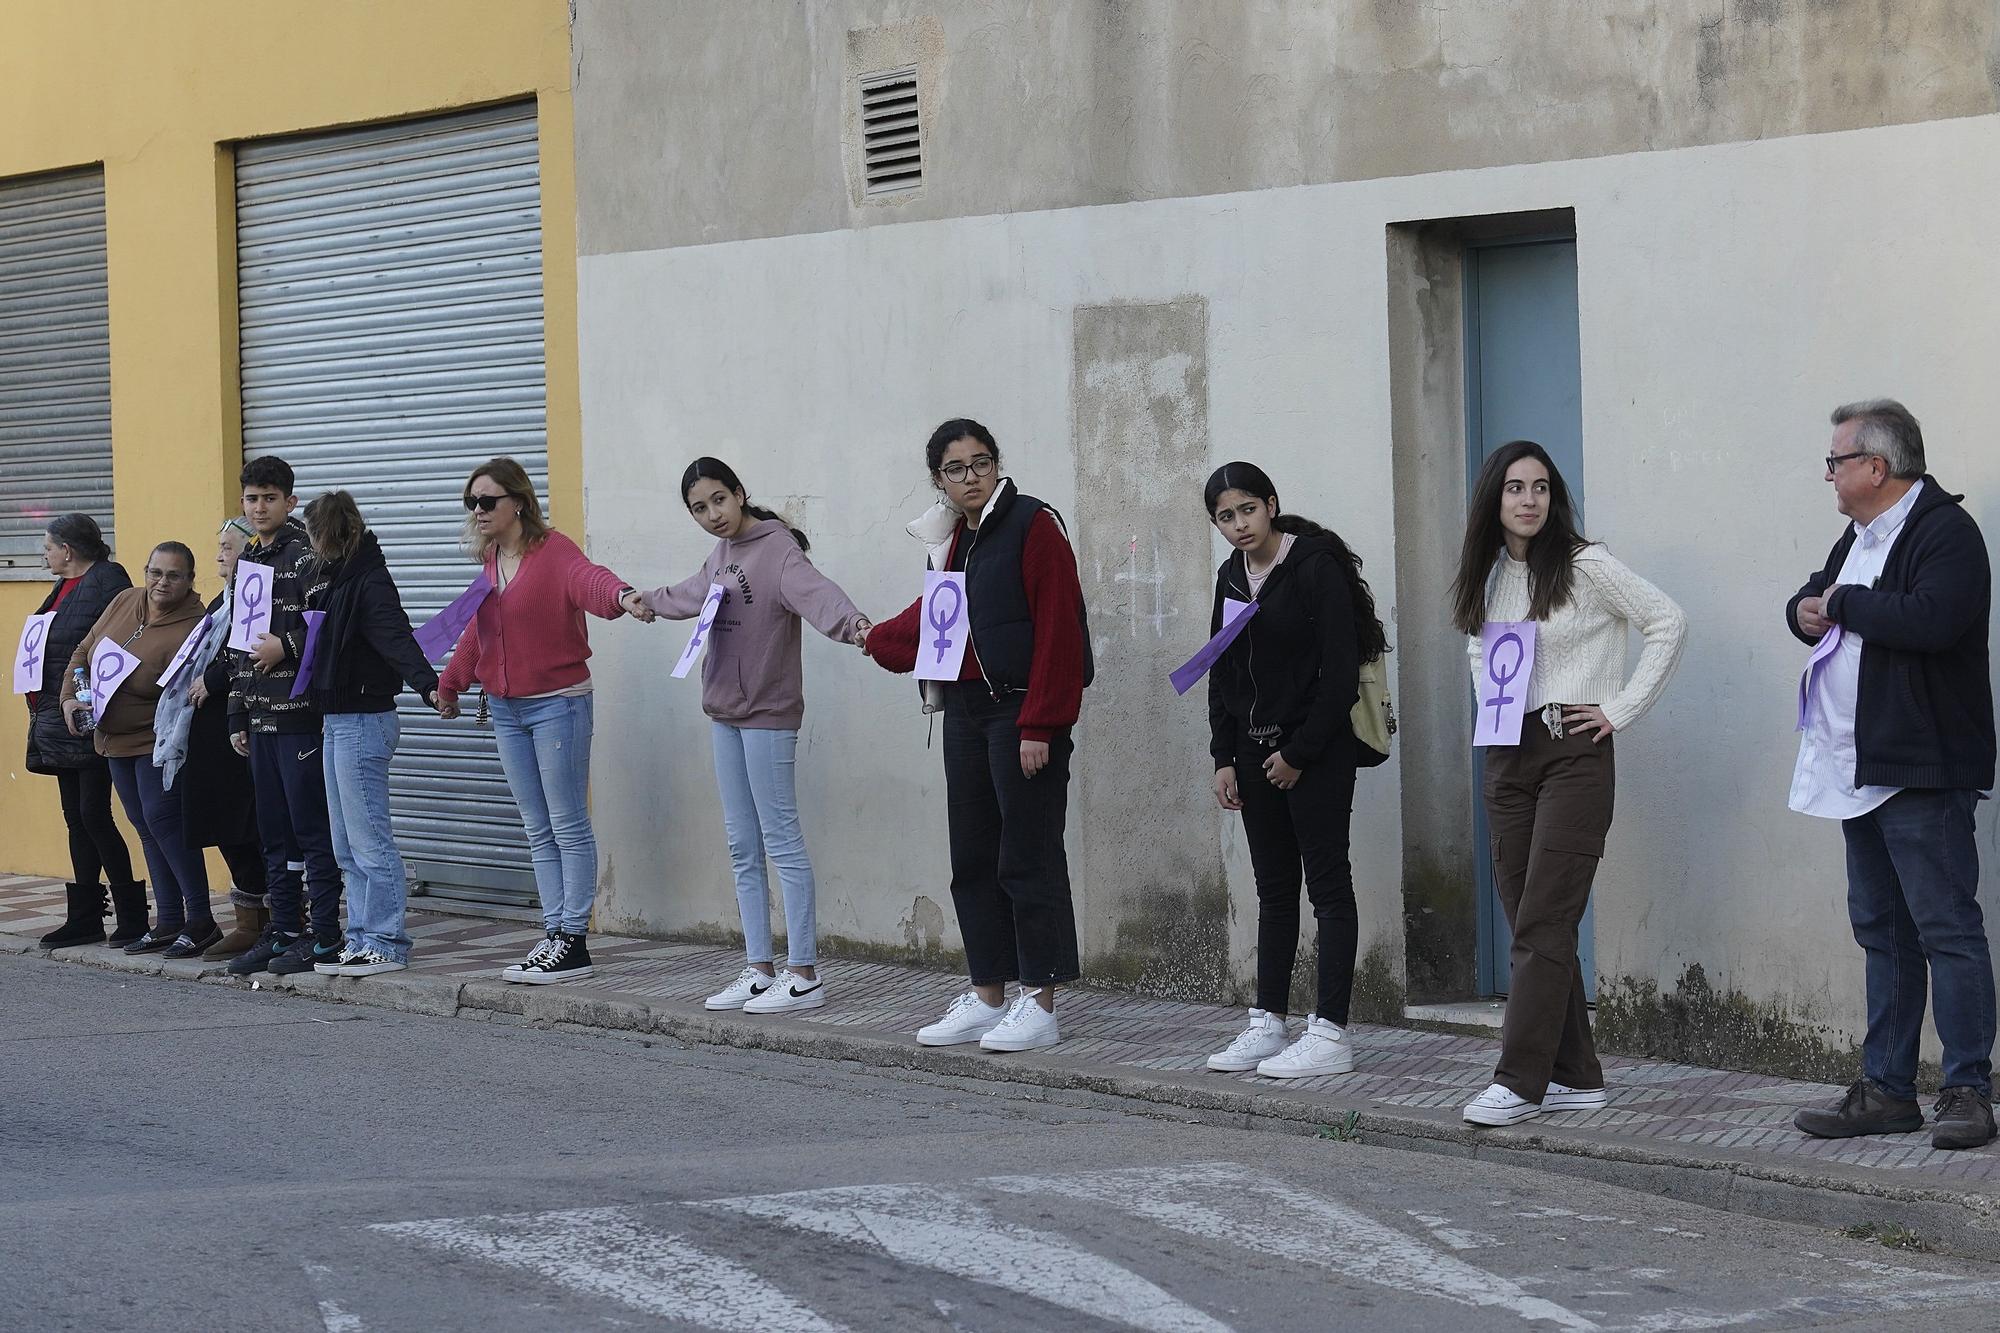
[[1866, 1108], [1961, 1118]]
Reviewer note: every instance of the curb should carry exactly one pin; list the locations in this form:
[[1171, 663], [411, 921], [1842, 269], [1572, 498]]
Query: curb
[[1962, 1220]]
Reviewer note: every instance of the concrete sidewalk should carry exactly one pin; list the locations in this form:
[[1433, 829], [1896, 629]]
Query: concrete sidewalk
[[1708, 1136]]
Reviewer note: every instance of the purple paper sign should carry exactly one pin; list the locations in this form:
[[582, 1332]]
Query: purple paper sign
[[252, 616], [110, 667], [711, 606], [1508, 652], [28, 653], [1235, 615], [941, 647], [1829, 642], [171, 676], [314, 619], [441, 632]]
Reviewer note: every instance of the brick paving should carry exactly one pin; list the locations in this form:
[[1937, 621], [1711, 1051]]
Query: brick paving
[[1652, 1101]]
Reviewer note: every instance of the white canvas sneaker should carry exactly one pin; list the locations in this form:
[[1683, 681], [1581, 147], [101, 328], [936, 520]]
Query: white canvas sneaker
[[1560, 1097], [968, 1019], [1322, 1049], [749, 983], [1499, 1106], [1262, 1039], [788, 994], [1026, 1027]]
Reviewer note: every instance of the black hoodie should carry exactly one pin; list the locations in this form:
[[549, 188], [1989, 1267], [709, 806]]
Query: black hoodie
[[365, 650], [1295, 670]]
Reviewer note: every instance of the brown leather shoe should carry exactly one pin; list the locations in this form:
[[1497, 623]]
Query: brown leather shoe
[[1867, 1108], [243, 936]]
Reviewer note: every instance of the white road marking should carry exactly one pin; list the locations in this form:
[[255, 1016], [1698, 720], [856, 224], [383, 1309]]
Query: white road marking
[[606, 1252], [934, 1228], [1458, 1238], [1219, 1201], [1895, 1289]]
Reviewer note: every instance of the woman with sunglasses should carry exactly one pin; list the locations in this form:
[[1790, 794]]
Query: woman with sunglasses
[[528, 650], [1007, 746]]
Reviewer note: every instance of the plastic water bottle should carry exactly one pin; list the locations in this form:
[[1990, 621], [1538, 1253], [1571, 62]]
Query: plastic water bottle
[[87, 719]]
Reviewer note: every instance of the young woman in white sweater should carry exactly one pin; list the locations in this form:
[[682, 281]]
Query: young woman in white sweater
[[1549, 797]]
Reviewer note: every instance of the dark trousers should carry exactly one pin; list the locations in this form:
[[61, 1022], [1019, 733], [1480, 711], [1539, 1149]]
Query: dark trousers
[[292, 823], [246, 869], [1548, 807], [180, 872], [1301, 833], [1912, 877], [96, 848], [1009, 872]]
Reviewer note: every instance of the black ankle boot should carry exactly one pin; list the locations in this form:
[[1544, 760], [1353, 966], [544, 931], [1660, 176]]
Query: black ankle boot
[[129, 900], [85, 921]]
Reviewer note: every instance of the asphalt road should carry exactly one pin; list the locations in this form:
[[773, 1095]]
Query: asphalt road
[[176, 1156]]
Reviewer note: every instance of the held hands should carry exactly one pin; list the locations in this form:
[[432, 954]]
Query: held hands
[[240, 742], [635, 607], [1034, 757], [1587, 717], [1281, 774], [267, 652], [861, 628], [1226, 794], [446, 708]]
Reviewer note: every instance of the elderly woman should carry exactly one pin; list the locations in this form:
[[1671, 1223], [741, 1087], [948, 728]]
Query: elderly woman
[[150, 625], [87, 579]]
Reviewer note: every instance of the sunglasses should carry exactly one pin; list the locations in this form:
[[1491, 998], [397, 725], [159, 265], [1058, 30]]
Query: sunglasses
[[485, 504]]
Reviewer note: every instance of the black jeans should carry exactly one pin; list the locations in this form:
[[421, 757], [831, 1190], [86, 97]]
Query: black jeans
[[1009, 872], [96, 848], [292, 824], [1297, 835], [180, 872]]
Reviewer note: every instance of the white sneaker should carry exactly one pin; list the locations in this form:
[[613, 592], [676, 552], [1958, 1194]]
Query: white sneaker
[[1499, 1106], [1322, 1049], [364, 963], [749, 984], [1026, 1027], [1562, 1098], [1264, 1038], [788, 993], [968, 1019]]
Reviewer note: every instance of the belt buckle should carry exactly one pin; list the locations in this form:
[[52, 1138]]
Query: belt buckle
[[1552, 718]]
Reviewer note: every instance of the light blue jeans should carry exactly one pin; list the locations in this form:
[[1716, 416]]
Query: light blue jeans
[[545, 752], [355, 757], [760, 810]]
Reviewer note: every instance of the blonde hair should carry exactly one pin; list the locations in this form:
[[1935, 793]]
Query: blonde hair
[[511, 478], [334, 526]]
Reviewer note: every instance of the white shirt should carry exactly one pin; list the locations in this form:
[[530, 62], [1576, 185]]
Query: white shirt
[[1823, 780]]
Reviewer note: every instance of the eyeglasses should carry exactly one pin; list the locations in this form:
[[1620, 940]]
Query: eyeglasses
[[483, 503], [166, 575], [1833, 461], [981, 466]]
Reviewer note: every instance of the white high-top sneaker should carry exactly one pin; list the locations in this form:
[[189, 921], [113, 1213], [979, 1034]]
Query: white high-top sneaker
[[1500, 1106], [968, 1019], [1026, 1027], [1322, 1049], [1262, 1039]]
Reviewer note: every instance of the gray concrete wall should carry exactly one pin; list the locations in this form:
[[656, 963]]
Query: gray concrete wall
[[699, 122]]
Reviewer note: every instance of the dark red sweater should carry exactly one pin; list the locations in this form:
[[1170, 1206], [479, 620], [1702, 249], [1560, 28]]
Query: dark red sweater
[[1055, 601]]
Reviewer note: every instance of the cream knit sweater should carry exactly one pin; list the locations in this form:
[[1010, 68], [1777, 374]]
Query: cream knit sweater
[[1580, 649]]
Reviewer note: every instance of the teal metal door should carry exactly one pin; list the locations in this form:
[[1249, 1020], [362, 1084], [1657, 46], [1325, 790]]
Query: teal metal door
[[1524, 381]]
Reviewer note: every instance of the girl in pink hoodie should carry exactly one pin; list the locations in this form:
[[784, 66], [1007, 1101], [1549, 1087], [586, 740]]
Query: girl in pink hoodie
[[753, 690]]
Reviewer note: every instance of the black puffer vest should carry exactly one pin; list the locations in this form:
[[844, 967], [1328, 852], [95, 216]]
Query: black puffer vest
[[1003, 626]]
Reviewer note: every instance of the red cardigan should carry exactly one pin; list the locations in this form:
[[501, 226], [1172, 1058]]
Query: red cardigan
[[1055, 601], [530, 639]]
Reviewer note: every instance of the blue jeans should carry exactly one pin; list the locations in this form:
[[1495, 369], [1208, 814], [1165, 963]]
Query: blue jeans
[[545, 751], [760, 810], [1912, 873], [357, 751], [180, 873]]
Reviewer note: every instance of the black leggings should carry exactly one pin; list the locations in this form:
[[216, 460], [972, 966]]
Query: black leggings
[[1295, 835], [96, 848]]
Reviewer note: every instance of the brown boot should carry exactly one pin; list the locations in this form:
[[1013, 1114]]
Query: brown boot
[[249, 928]]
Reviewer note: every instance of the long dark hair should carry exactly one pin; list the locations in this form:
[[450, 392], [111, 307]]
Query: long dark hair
[[334, 526], [1370, 640], [81, 534], [1551, 553], [714, 469]]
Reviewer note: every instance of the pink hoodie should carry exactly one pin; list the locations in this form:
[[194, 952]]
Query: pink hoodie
[[751, 675]]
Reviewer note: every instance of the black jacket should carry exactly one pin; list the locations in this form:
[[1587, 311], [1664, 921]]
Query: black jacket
[[262, 701], [996, 593], [50, 746], [365, 650], [1924, 716], [223, 811], [1294, 672]]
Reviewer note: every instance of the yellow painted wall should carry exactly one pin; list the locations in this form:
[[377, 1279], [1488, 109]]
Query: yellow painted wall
[[159, 93]]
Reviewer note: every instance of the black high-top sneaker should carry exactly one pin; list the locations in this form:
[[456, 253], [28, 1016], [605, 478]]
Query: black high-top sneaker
[[567, 958]]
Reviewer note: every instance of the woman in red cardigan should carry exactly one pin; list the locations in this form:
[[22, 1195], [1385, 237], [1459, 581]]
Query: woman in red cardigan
[[1007, 744], [528, 649]]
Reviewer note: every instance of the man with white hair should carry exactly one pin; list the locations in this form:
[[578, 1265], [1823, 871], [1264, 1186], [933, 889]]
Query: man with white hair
[[1898, 744]]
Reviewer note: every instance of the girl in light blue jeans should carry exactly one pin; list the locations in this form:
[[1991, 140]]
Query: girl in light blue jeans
[[748, 600]]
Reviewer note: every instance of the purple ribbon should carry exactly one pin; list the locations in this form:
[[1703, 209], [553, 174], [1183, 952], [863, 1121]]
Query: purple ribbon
[[1197, 666], [441, 632], [1500, 698], [36, 633], [314, 619], [942, 623], [252, 589], [704, 621]]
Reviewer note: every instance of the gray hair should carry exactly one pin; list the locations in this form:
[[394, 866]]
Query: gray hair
[[1888, 432]]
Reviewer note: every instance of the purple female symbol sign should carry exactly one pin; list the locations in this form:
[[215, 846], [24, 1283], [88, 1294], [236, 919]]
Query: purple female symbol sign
[[711, 606], [1508, 655], [28, 656], [110, 667], [253, 606], [940, 657]]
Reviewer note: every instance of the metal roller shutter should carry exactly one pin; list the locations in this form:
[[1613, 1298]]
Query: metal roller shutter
[[55, 360], [390, 288]]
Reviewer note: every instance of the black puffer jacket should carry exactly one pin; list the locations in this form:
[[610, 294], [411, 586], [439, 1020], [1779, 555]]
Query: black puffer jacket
[[50, 746]]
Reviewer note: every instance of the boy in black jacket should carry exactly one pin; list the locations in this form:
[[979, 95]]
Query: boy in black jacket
[[281, 736]]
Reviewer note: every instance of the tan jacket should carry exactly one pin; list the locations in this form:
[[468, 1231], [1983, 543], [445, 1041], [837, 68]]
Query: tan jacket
[[125, 729]]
